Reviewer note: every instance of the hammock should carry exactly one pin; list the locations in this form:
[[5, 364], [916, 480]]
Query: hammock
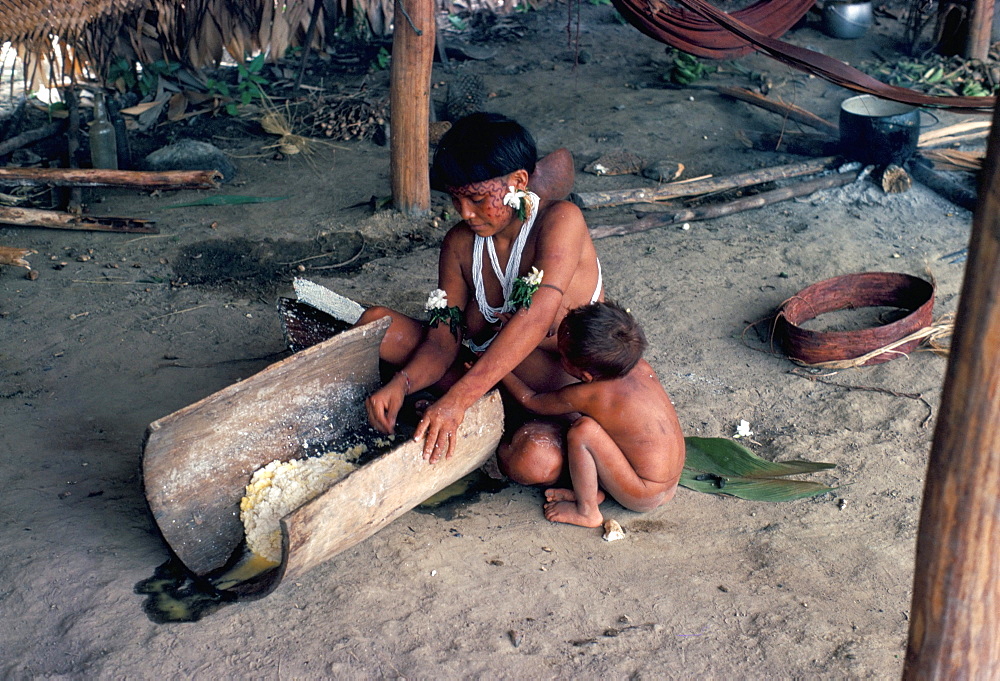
[[653, 17], [691, 32]]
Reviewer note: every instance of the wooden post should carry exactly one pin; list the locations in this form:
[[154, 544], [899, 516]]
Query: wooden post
[[977, 44], [409, 100], [955, 616], [74, 200]]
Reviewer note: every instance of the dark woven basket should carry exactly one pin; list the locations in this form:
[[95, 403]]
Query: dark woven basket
[[868, 289]]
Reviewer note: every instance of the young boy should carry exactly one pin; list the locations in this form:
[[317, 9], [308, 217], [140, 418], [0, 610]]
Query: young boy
[[628, 441]]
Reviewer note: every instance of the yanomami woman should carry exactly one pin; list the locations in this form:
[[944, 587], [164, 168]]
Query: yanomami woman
[[485, 162]]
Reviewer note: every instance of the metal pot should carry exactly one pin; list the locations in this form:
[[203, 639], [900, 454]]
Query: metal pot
[[878, 131], [847, 19]]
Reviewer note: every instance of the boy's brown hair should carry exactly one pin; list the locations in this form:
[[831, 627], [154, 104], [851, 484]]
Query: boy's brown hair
[[602, 339]]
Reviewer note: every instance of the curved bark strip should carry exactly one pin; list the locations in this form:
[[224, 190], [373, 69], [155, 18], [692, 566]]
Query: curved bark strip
[[692, 33]]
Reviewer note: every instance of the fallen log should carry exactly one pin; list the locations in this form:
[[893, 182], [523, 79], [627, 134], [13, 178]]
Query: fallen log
[[895, 180], [795, 113], [675, 190], [28, 137], [923, 171], [51, 219], [95, 177], [727, 208]]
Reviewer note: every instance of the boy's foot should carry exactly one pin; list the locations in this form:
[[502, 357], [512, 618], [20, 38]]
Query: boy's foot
[[561, 494], [568, 512]]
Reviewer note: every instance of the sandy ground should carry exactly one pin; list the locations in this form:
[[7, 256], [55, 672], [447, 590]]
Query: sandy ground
[[706, 586]]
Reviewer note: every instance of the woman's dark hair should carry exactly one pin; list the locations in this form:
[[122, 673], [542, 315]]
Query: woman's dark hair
[[479, 147], [602, 339]]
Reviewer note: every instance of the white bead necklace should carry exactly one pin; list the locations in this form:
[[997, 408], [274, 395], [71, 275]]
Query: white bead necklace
[[506, 278]]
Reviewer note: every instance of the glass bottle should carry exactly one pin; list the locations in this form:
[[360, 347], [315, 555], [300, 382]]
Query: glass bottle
[[121, 135], [103, 145]]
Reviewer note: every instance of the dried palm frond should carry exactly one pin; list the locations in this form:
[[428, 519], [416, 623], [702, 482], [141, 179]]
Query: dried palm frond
[[955, 159]]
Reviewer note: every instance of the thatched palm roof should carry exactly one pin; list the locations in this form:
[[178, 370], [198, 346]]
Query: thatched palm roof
[[194, 33]]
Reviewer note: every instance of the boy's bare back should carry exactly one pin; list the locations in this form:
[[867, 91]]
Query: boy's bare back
[[638, 415]]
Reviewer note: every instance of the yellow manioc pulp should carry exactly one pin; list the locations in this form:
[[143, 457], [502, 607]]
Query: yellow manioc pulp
[[279, 488]]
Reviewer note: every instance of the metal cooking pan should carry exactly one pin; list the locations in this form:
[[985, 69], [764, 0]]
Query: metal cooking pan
[[878, 131]]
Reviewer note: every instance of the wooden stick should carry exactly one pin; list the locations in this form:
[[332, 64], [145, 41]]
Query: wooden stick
[[728, 208], [796, 113], [962, 128], [29, 136], [310, 32], [954, 159], [673, 190], [94, 177], [790, 142], [50, 219], [954, 139], [955, 614]]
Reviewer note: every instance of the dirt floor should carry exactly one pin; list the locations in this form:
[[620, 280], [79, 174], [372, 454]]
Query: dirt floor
[[120, 330]]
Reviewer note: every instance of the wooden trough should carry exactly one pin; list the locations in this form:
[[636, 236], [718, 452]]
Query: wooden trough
[[198, 460]]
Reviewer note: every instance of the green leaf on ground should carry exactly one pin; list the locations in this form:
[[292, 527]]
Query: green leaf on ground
[[227, 200], [722, 466]]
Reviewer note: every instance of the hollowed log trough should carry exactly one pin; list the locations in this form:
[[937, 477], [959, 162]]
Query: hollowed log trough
[[198, 460]]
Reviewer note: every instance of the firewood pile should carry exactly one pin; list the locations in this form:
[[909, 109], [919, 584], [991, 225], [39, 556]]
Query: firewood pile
[[342, 117]]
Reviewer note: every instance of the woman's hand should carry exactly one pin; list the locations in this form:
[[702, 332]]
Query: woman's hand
[[439, 428], [384, 404]]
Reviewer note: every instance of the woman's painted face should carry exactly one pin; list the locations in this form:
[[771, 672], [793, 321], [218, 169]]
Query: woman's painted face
[[481, 205]]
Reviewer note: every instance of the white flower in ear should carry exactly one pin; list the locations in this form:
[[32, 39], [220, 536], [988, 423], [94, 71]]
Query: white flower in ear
[[513, 198], [438, 300], [534, 277], [743, 430]]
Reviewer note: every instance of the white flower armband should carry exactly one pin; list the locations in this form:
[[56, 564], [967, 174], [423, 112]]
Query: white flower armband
[[437, 306], [525, 287]]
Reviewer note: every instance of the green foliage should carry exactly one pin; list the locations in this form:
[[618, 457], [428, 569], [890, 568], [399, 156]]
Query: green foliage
[[686, 69], [122, 75], [382, 60], [249, 86], [938, 75], [58, 110], [457, 22], [971, 88], [722, 466], [150, 76], [599, 2]]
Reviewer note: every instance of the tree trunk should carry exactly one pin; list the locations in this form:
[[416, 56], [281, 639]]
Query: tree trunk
[[955, 618], [977, 44], [409, 96]]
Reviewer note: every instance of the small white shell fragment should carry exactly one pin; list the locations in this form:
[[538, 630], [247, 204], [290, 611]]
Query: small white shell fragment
[[613, 531]]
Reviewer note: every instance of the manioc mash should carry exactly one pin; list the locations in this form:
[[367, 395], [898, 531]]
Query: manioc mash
[[280, 487]]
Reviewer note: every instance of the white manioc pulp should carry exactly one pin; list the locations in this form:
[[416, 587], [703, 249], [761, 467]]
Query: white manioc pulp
[[279, 488]]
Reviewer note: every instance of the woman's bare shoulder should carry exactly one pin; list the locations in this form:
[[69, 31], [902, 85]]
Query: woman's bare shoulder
[[562, 217], [457, 236], [561, 210]]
